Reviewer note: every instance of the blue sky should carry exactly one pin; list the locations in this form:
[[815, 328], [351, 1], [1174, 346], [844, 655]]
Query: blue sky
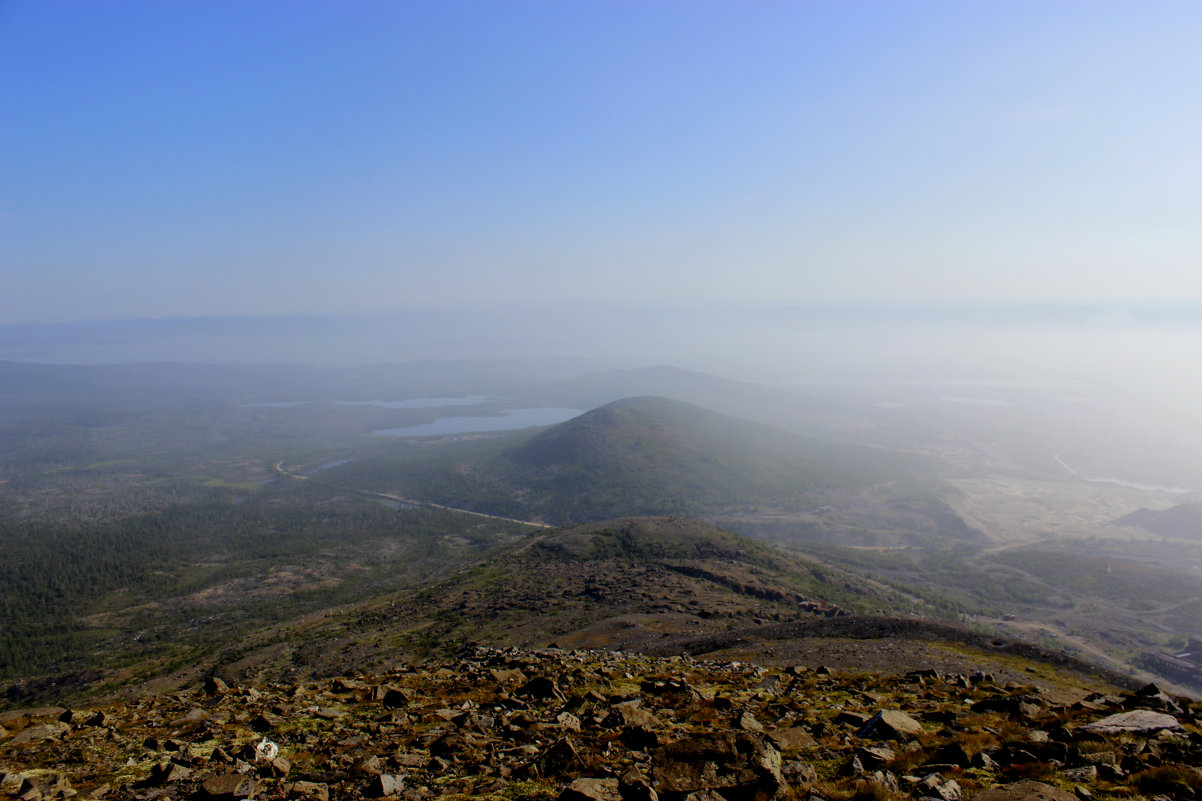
[[214, 158]]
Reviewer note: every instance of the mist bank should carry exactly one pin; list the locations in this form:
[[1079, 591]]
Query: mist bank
[[1115, 344], [1120, 372]]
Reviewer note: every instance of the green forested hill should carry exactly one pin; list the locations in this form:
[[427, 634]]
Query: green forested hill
[[652, 455], [636, 456]]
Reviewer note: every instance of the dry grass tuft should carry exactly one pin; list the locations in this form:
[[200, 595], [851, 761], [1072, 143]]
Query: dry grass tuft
[[1173, 780], [975, 740], [860, 791]]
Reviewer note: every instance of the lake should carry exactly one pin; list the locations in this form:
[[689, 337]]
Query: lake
[[509, 420], [410, 403]]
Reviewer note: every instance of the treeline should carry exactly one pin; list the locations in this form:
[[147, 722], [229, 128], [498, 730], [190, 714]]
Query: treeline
[[52, 577]]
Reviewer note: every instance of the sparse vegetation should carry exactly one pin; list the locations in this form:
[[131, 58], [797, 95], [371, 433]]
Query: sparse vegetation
[[519, 724]]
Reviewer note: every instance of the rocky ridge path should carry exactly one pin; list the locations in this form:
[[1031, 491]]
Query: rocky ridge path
[[607, 726]]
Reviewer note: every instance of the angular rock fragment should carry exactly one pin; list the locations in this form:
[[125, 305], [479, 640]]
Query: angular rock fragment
[[1151, 696], [451, 745], [167, 772], [798, 772], [560, 758], [873, 757], [851, 719], [390, 696], [591, 790], [950, 754], [541, 689], [99, 718], [11, 783], [769, 683], [508, 676], [368, 766], [385, 785], [1025, 791], [276, 769], [215, 686], [347, 685], [1084, 774], [265, 721], [634, 786], [747, 722], [678, 689], [890, 724], [1137, 721], [793, 738], [732, 763], [935, 786], [40, 733], [638, 738], [313, 791], [228, 786], [1023, 707], [629, 713]]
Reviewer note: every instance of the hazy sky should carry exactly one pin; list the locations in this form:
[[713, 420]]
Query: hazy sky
[[253, 157]]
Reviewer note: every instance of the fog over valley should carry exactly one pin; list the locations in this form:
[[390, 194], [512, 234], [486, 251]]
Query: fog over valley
[[1108, 387]]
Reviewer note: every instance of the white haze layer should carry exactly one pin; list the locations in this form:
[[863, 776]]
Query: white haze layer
[[1113, 377]]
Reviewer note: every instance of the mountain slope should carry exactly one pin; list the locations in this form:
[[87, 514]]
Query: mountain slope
[[655, 429], [620, 583], [1183, 521], [651, 455], [792, 411], [641, 456]]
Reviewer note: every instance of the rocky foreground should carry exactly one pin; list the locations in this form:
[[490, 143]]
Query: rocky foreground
[[518, 724]]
